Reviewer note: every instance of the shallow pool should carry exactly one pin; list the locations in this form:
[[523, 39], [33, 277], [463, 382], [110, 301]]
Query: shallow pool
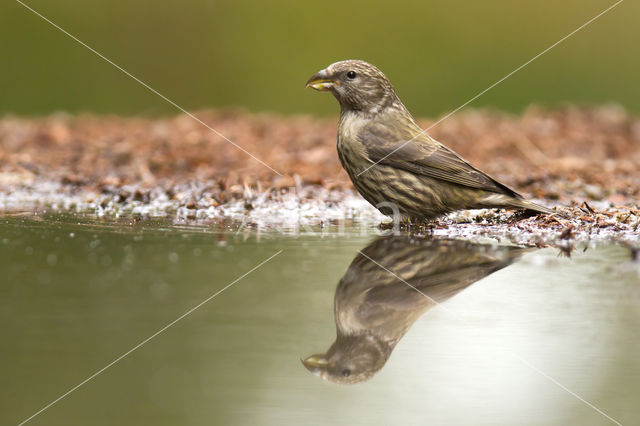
[[151, 323]]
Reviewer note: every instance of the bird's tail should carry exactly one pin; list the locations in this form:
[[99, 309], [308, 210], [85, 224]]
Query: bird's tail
[[528, 205], [506, 201]]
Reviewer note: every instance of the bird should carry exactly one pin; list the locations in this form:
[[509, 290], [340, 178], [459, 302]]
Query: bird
[[387, 287], [393, 163]]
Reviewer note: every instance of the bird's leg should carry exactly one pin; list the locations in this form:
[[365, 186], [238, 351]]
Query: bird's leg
[[430, 226]]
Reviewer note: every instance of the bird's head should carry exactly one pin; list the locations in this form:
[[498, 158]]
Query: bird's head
[[350, 360], [357, 85]]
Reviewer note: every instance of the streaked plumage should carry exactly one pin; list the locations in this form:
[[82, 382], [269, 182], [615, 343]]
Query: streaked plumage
[[420, 176], [373, 309]]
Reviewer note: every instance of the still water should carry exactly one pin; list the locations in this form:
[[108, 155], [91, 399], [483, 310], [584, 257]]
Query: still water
[[333, 328]]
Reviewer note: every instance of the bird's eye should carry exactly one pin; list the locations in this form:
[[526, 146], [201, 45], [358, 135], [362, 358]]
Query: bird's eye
[[351, 75], [346, 372]]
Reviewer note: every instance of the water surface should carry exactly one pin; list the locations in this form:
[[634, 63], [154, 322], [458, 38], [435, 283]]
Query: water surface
[[76, 294]]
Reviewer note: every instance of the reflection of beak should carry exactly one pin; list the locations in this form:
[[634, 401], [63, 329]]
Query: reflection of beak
[[321, 81], [315, 363]]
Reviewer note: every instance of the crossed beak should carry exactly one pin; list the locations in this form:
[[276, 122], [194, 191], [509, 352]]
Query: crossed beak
[[322, 81], [316, 364]]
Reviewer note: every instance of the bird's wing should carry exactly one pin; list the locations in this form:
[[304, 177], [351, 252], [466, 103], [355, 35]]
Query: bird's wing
[[419, 153]]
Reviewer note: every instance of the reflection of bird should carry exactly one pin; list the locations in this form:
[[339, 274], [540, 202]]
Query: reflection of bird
[[390, 159], [374, 309]]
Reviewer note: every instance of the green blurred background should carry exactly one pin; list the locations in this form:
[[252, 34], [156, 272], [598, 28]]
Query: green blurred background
[[257, 55]]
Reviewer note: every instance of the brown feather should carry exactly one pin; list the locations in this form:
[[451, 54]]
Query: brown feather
[[393, 163]]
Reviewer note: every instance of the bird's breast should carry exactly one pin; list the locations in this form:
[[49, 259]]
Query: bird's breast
[[352, 156], [351, 151]]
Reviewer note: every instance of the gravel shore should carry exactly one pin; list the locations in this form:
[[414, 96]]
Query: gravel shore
[[583, 161]]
